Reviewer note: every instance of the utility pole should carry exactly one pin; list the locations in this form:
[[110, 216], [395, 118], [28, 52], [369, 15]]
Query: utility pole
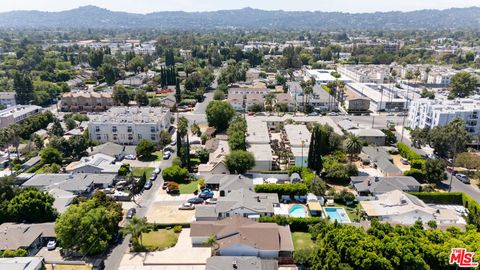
[[303, 143], [373, 121]]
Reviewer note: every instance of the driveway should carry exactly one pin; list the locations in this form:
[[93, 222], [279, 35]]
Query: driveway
[[182, 256], [168, 214]]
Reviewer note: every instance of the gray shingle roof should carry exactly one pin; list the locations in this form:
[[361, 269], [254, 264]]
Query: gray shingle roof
[[379, 185]]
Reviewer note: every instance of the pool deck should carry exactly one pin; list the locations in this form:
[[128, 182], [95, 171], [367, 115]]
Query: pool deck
[[345, 218], [284, 209]]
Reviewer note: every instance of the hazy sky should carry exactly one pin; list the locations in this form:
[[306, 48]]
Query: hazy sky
[[147, 6]]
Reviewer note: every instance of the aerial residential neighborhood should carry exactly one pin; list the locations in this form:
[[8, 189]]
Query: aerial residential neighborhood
[[291, 136]]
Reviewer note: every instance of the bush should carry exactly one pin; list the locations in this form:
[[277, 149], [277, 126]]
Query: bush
[[407, 153], [175, 173], [177, 228], [418, 164], [419, 175], [296, 224], [9, 253], [283, 189], [173, 188], [124, 170]]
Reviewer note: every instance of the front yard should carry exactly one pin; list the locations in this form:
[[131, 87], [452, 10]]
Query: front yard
[[138, 172], [302, 240], [188, 188], [155, 156], [159, 240]]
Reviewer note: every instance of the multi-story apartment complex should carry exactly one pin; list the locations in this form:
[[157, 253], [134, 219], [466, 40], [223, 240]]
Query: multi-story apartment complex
[[429, 113], [7, 98], [86, 102], [129, 125], [17, 113]]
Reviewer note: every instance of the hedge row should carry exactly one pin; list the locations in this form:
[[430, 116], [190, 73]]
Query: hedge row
[[453, 198], [296, 224], [407, 153], [283, 189]]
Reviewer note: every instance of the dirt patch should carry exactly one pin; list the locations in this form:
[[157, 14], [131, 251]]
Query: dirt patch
[[397, 161], [168, 214]]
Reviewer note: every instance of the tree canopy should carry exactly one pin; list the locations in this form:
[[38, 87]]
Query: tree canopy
[[239, 161], [219, 114]]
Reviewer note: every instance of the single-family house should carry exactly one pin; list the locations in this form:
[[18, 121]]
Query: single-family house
[[239, 236], [381, 159], [368, 185], [370, 135], [30, 237], [241, 202], [31, 162], [113, 150], [399, 207], [216, 163], [97, 163], [226, 183], [22, 263]]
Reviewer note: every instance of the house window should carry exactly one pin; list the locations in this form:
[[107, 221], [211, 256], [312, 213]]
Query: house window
[[97, 129], [227, 214], [99, 137], [115, 137], [152, 129], [114, 129], [129, 129], [130, 137], [153, 137]]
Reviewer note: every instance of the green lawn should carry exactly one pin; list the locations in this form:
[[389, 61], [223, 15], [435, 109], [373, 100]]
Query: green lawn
[[302, 240], [155, 156], [138, 171], [188, 188], [159, 240]]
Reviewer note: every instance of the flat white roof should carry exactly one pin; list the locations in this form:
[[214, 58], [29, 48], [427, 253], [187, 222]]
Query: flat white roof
[[257, 132], [373, 94], [261, 152], [298, 133]]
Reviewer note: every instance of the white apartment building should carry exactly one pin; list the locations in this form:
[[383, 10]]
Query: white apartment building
[[129, 125], [17, 113], [441, 111]]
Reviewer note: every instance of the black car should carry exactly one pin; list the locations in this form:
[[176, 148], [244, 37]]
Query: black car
[[195, 200], [148, 185], [131, 212]]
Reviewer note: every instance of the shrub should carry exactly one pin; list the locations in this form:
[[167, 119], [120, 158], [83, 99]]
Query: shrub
[[407, 153], [296, 224], [283, 189], [418, 164], [175, 173], [201, 183], [177, 228], [173, 188], [418, 174]]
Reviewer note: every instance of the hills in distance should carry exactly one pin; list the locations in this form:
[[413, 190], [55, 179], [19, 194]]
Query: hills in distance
[[247, 18]]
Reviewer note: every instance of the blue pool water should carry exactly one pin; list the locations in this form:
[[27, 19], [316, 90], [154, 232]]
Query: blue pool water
[[338, 214], [297, 211]]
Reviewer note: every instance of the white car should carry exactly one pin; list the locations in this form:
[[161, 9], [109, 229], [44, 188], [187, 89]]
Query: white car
[[51, 245], [166, 155], [130, 157], [186, 206], [333, 114], [157, 170], [463, 178]]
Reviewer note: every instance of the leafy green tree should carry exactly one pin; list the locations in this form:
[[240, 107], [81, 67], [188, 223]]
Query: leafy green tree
[[427, 94], [77, 147], [145, 148], [435, 170], [239, 161], [38, 141], [236, 141], [450, 139], [165, 138], [462, 85], [195, 129], [120, 95], [155, 102], [141, 98], [32, 205], [203, 155], [255, 108], [218, 95], [89, 225], [51, 155], [169, 58], [110, 73], [22, 84], [219, 114], [353, 146], [136, 64], [95, 58], [175, 174], [420, 137]]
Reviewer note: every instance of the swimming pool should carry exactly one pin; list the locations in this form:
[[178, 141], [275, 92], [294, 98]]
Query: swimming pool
[[337, 213], [297, 211]]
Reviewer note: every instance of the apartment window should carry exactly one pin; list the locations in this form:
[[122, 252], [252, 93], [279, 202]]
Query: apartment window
[[99, 137], [129, 129], [115, 137], [97, 129], [152, 129], [153, 137], [130, 137], [114, 129]]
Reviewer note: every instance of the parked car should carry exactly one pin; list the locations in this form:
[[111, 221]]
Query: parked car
[[148, 185], [333, 114], [186, 206], [51, 245], [196, 200], [165, 184], [211, 201], [404, 161], [463, 178], [157, 170], [153, 176], [206, 194], [173, 143], [167, 155], [390, 114], [130, 157], [131, 212]]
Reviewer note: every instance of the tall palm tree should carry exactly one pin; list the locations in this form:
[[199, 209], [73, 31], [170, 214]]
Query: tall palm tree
[[353, 146], [136, 226]]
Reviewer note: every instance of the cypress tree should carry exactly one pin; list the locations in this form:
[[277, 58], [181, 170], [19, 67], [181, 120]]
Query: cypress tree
[[179, 143], [318, 147], [178, 93]]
